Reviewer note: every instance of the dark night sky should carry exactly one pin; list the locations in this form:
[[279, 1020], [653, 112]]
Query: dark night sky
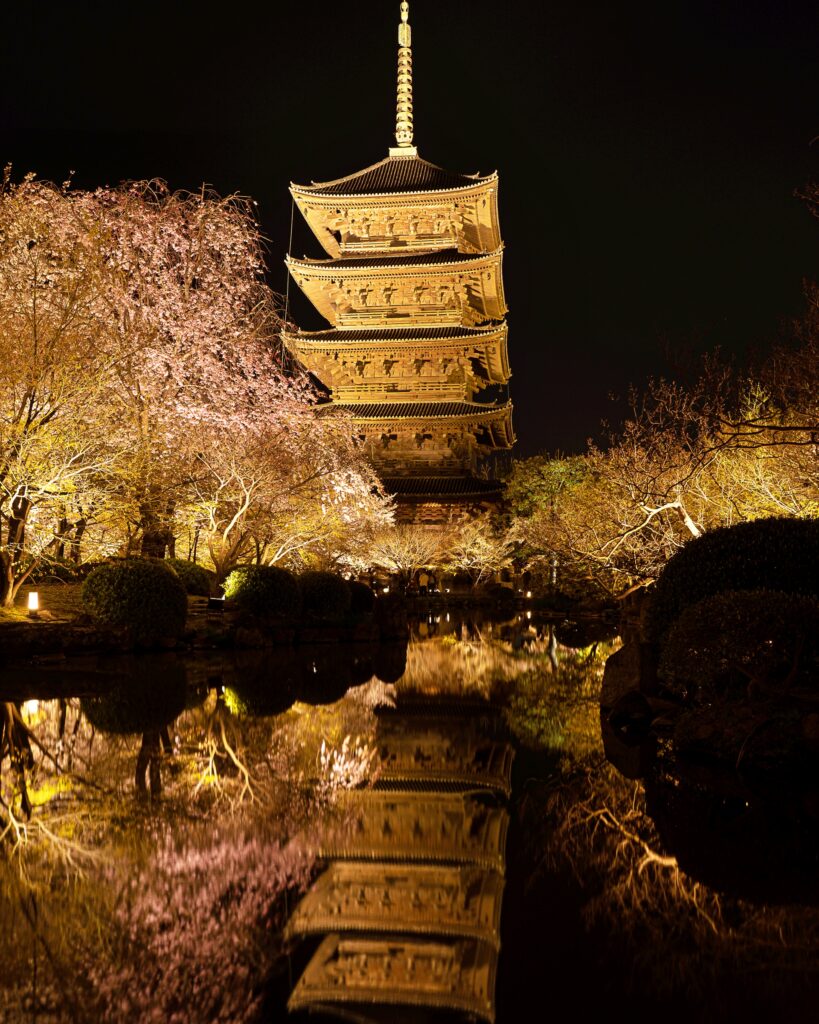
[[648, 152]]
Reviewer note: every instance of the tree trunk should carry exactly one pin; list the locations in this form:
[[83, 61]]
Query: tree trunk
[[74, 547], [20, 508], [6, 580], [156, 540]]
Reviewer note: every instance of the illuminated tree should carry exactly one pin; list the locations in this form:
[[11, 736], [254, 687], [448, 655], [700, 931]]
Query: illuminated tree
[[55, 376], [141, 387], [476, 549], [404, 549]]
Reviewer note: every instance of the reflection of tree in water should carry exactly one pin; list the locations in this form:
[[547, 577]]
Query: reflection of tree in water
[[110, 890], [675, 936], [667, 935]]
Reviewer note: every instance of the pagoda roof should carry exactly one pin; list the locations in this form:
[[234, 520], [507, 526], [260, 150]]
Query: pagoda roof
[[428, 259], [388, 334], [395, 174], [418, 410], [441, 486]]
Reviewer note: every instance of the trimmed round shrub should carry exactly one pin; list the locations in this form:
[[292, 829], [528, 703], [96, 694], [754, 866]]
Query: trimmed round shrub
[[196, 580], [143, 594], [362, 599], [264, 591], [148, 696], [325, 595], [777, 554], [720, 645]]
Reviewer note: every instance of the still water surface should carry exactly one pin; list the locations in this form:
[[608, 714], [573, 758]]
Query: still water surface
[[392, 833]]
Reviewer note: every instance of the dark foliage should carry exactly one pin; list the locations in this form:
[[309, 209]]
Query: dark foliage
[[143, 594], [196, 580], [362, 599], [264, 591], [740, 639], [326, 596], [777, 554]]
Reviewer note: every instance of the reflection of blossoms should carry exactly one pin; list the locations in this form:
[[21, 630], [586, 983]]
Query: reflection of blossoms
[[346, 767], [198, 930]]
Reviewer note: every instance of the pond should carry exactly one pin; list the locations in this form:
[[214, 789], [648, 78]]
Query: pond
[[415, 832]]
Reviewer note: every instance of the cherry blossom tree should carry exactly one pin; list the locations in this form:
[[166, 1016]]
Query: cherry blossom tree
[[142, 387]]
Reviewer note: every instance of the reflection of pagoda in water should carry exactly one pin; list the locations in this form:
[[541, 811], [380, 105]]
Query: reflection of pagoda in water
[[410, 903], [416, 351]]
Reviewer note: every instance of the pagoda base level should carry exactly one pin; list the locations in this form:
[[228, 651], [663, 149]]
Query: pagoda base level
[[442, 501]]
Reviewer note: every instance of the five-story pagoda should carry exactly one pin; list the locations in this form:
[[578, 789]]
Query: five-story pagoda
[[416, 351]]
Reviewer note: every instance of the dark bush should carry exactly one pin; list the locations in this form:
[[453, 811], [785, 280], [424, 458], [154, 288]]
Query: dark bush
[[149, 695], [362, 599], [777, 554], [143, 594], [196, 580], [325, 595], [721, 644], [500, 595], [56, 570], [264, 591]]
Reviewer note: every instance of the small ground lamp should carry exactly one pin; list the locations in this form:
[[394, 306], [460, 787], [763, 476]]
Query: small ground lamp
[[33, 604]]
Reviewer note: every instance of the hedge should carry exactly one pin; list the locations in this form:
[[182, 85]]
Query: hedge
[[325, 595], [719, 645], [196, 580], [142, 594], [774, 554], [362, 598], [264, 591]]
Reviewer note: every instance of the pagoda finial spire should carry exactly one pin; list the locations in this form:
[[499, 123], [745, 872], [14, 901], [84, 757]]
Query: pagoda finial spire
[[403, 112]]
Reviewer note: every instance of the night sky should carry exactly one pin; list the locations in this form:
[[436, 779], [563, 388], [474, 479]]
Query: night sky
[[648, 153]]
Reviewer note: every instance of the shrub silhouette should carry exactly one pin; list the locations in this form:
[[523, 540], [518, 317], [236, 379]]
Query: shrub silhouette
[[775, 554], [326, 596], [264, 591], [196, 580], [739, 639], [143, 594]]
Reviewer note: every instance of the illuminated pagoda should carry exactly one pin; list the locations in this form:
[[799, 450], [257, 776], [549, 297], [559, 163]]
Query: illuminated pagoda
[[413, 291]]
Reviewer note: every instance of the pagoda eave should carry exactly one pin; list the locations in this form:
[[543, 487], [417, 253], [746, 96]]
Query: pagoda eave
[[395, 356], [396, 175], [415, 290], [497, 420], [463, 217]]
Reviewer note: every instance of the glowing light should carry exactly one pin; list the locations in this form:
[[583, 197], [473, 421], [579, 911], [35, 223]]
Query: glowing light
[[528, 615], [33, 602], [31, 707], [528, 593], [385, 590]]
